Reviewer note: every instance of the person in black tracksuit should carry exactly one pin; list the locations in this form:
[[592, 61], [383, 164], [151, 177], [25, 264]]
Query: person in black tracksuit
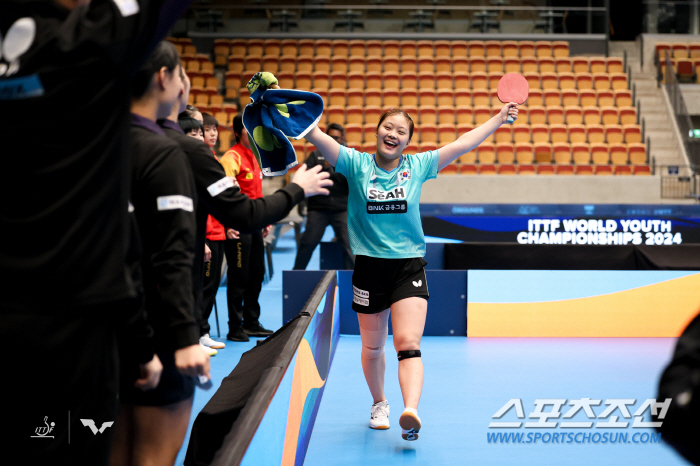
[[323, 211], [163, 195], [218, 195], [68, 224]]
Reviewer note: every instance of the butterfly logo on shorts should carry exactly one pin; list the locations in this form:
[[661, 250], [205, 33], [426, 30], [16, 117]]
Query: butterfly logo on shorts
[[418, 283]]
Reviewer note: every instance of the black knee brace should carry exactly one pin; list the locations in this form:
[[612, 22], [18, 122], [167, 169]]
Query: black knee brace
[[408, 354]]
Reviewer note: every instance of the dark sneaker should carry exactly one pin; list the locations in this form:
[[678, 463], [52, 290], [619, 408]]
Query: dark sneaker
[[257, 330], [237, 335]]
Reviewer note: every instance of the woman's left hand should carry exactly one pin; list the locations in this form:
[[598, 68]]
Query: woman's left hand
[[511, 108]]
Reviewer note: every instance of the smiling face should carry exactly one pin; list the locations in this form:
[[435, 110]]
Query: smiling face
[[393, 135]]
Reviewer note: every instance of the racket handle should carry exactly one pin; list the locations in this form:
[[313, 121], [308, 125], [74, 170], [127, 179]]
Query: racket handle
[[510, 120]]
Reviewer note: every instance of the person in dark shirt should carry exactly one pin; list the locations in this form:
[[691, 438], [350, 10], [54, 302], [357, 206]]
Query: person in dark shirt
[[163, 195], [219, 195], [323, 211], [69, 63]]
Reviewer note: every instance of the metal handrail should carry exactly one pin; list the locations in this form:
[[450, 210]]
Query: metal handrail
[[210, 6]]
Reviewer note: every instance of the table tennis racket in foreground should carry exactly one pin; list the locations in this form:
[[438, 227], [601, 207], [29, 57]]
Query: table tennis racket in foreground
[[513, 87]]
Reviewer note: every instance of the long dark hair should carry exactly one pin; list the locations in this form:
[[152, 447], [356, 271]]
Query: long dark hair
[[164, 55]]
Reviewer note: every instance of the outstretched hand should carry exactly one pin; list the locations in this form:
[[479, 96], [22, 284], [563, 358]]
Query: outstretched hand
[[313, 181], [511, 108]]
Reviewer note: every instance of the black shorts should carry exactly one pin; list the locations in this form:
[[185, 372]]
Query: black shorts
[[172, 388], [378, 283]]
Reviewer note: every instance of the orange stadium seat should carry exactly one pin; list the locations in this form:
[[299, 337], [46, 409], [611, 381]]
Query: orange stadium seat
[[521, 133], [545, 169], [509, 48], [427, 115], [428, 133], [443, 65], [460, 65], [528, 65], [573, 115], [537, 115], [373, 63], [446, 133], [599, 153], [605, 97], [549, 81], [373, 97], [391, 47], [391, 80], [479, 80], [562, 153], [506, 169], [552, 97], [408, 97], [614, 65], [522, 115], [632, 133], [583, 170], [443, 80], [335, 114], [373, 80], [524, 153], [602, 170], [618, 154], [451, 169], [679, 50], [622, 170], [493, 48], [591, 115], [426, 80], [409, 79], [584, 81], [543, 48], [356, 64], [468, 158], [555, 115], [560, 48], [356, 79], [694, 49], [503, 134], [289, 47], [505, 152], [494, 64], [445, 96], [580, 65], [598, 65], [355, 96], [407, 48], [475, 48], [442, 48], [533, 79], [322, 92], [511, 65], [390, 63], [426, 64], [619, 81], [446, 114], [357, 47], [613, 134], [563, 65], [353, 134], [493, 79], [462, 97], [601, 81], [302, 80], [595, 133], [580, 153], [339, 47], [577, 133], [526, 169], [482, 114], [543, 152], [569, 97], [339, 63], [565, 169], [465, 115], [459, 48], [481, 97], [536, 97], [641, 170], [486, 153], [540, 133], [374, 48], [637, 153], [477, 64], [628, 116], [337, 96], [526, 48], [321, 79], [546, 64], [238, 47], [390, 98], [567, 81], [587, 97], [425, 48], [468, 169]]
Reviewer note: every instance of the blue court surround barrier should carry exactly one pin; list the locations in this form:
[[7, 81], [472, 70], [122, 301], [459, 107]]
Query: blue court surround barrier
[[264, 411]]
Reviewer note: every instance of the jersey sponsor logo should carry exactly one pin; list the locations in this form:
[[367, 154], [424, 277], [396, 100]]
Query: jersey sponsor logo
[[127, 7], [175, 202], [360, 301], [249, 176], [220, 186], [391, 207], [404, 175], [379, 195], [16, 41]]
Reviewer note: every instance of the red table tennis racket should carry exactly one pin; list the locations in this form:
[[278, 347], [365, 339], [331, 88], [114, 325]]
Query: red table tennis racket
[[513, 87]]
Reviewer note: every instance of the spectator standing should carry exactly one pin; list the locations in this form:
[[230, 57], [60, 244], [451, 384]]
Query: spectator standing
[[328, 210]]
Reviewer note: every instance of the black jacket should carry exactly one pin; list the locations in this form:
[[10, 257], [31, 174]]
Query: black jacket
[[337, 199]]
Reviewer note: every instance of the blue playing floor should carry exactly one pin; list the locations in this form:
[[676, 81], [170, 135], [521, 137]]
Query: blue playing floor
[[466, 382]]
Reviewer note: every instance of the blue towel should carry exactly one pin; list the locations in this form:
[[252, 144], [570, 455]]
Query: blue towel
[[273, 116]]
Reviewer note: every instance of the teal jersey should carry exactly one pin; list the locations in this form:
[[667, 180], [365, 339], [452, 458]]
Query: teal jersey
[[383, 206]]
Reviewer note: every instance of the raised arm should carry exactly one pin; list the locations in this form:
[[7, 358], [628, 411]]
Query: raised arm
[[326, 145], [469, 141]]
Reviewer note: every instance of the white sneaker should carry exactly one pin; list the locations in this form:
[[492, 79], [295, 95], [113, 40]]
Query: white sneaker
[[207, 341], [410, 424], [379, 418], [209, 351]]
